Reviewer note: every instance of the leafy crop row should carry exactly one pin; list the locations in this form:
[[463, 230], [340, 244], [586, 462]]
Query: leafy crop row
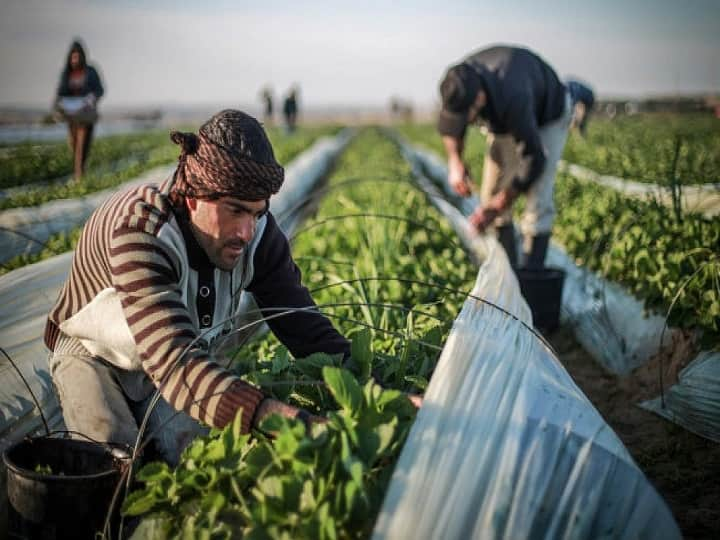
[[668, 263], [651, 148], [330, 483], [55, 245], [26, 163], [286, 148], [667, 260]]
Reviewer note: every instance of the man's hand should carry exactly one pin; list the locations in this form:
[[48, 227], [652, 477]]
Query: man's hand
[[309, 419], [458, 173], [415, 399], [503, 200], [459, 177], [270, 406], [485, 215], [482, 217]]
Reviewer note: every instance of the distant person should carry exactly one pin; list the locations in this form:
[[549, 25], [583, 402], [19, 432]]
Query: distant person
[[77, 95], [528, 111], [401, 110], [290, 110], [583, 100], [267, 98]]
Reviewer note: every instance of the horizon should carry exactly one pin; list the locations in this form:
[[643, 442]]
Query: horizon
[[116, 108], [165, 54]]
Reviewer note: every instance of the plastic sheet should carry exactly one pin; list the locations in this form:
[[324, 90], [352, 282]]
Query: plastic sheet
[[28, 294], [506, 446], [703, 198], [694, 402], [25, 230], [612, 325]]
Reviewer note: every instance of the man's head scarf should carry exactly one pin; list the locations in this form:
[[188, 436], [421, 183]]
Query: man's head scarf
[[218, 161]]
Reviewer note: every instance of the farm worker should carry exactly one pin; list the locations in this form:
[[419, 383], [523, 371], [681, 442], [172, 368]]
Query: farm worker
[[583, 99], [267, 98], [527, 111], [81, 81], [157, 275], [290, 109]]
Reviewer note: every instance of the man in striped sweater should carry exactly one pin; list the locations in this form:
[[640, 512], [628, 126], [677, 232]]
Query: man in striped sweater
[[158, 276]]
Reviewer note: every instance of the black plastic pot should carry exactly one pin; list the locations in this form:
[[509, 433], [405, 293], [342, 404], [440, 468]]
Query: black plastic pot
[[73, 500], [542, 289]]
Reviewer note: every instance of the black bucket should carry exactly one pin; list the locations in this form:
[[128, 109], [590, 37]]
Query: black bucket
[[542, 289], [61, 488]]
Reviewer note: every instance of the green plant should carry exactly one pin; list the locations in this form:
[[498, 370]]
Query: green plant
[[641, 244], [327, 484]]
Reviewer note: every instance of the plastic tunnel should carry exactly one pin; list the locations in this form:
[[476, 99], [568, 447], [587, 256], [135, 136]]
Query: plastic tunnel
[[505, 444]]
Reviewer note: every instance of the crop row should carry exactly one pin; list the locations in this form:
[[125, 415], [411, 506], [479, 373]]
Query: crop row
[[674, 265], [143, 152], [286, 148], [25, 163], [55, 245], [373, 241], [658, 148], [668, 261]]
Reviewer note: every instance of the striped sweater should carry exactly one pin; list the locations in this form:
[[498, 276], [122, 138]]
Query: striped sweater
[[143, 295]]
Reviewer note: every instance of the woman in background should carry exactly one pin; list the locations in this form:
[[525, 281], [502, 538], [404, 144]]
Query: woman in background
[[77, 94]]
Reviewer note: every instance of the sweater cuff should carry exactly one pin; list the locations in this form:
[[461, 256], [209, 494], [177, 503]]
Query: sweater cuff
[[240, 395]]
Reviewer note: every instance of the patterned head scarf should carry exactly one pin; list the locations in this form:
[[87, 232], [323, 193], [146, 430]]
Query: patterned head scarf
[[230, 156]]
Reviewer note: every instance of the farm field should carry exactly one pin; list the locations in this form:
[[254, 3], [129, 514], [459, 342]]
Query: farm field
[[157, 150], [655, 148], [26, 163], [669, 259], [387, 269], [319, 330]]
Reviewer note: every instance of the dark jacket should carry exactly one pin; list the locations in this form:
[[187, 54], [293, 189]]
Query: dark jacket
[[523, 93], [92, 84]]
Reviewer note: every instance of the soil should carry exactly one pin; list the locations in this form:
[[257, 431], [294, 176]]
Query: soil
[[683, 467]]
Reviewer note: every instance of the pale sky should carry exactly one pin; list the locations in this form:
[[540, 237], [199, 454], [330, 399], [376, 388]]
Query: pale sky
[[174, 52]]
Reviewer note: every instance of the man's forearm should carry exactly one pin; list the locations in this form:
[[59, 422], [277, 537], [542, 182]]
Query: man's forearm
[[454, 147], [458, 174]]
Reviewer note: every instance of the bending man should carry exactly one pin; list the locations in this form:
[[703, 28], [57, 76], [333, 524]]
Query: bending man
[[528, 111]]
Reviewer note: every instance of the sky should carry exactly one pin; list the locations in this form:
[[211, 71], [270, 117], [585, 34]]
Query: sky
[[176, 52]]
